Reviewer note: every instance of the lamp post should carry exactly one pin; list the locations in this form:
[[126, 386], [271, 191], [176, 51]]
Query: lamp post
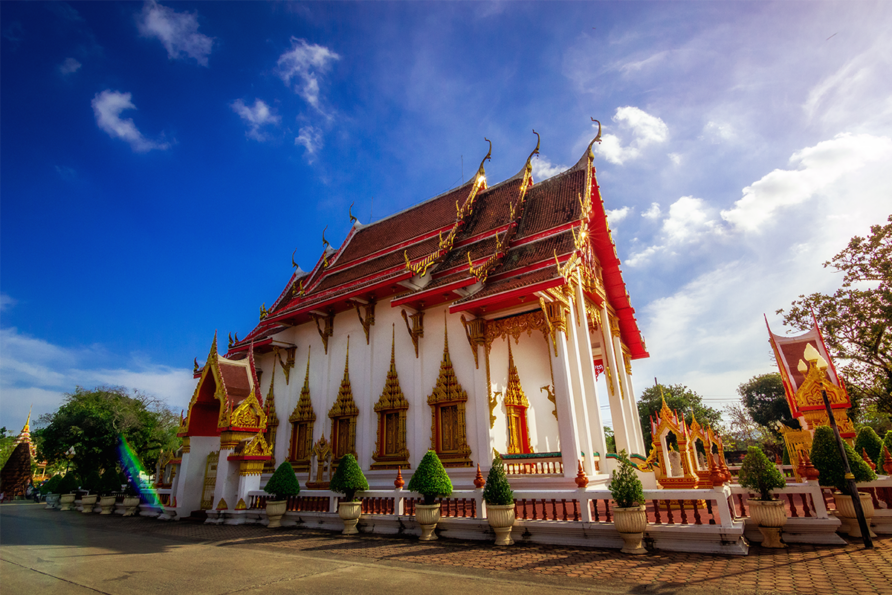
[[821, 363]]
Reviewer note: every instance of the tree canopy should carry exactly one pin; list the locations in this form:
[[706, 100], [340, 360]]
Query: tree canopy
[[681, 399], [92, 421], [856, 319], [765, 400]]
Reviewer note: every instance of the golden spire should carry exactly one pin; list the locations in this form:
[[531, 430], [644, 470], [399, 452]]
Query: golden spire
[[27, 428], [344, 404], [514, 394], [597, 139], [481, 173], [303, 411], [529, 165], [392, 395], [447, 388]]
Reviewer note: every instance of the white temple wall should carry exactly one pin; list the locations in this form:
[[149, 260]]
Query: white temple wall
[[192, 473]]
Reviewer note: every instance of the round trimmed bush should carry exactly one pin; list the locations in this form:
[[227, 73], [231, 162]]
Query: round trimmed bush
[[68, 484], [497, 491], [625, 486], [92, 482], [887, 441], [283, 484], [348, 479], [52, 485], [430, 479], [759, 474], [868, 440], [110, 482], [826, 458]]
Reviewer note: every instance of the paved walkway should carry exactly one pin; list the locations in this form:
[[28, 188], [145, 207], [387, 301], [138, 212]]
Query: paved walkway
[[41, 544]]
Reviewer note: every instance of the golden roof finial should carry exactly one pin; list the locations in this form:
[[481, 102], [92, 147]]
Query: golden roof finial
[[294, 264], [529, 165], [350, 211], [325, 243], [481, 173], [27, 427], [597, 139]]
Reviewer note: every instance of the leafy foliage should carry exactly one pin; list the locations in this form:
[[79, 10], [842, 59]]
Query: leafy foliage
[[857, 323], [7, 445], [679, 398], [348, 479], [765, 399], [744, 432], [826, 458], [92, 482], [283, 482], [497, 490], [868, 440], [887, 441], [759, 474], [68, 484], [430, 479], [92, 421], [52, 485], [110, 482], [625, 487], [610, 439]]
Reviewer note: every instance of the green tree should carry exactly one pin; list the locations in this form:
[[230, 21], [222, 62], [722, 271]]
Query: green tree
[[610, 439], [765, 400], [430, 479], [857, 320], [497, 490], [868, 440], [7, 444], [91, 421], [283, 484], [679, 398], [759, 474], [827, 459], [349, 479]]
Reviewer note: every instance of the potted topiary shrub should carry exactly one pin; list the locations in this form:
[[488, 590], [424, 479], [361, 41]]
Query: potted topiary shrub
[[281, 486], [51, 490], [760, 475], [630, 513], [67, 487], [131, 495], [109, 483], [431, 481], [348, 480], [826, 458], [92, 483], [869, 441], [499, 500]]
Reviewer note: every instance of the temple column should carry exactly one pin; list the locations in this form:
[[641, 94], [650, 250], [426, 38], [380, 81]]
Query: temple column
[[563, 389], [587, 371], [576, 327], [636, 439], [482, 388], [617, 409]]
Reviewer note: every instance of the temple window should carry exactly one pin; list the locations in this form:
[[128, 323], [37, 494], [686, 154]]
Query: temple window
[[447, 402], [343, 415], [390, 448], [302, 421]]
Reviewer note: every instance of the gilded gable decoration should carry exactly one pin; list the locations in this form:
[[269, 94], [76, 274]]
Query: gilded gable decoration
[[343, 415], [249, 414], [302, 420], [516, 405], [448, 425], [390, 447]]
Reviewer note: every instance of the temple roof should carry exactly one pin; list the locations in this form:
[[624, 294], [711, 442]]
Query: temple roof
[[475, 247]]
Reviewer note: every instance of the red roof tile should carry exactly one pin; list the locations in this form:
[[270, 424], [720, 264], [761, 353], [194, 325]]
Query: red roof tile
[[552, 203]]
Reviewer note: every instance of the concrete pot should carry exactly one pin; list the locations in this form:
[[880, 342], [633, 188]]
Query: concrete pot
[[107, 503], [275, 510], [52, 501], [631, 523], [501, 519], [66, 501], [88, 502], [349, 513], [771, 516], [427, 516], [130, 505], [846, 509]]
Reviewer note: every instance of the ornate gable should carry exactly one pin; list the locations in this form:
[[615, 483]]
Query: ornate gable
[[303, 411], [344, 406]]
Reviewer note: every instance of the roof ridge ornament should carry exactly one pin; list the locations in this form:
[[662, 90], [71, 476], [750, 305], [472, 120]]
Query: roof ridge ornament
[[535, 152], [325, 243], [597, 139], [481, 172]]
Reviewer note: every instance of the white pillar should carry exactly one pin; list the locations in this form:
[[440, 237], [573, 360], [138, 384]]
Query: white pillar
[[637, 418], [481, 411], [587, 369], [563, 392], [575, 328], [617, 409], [630, 412]]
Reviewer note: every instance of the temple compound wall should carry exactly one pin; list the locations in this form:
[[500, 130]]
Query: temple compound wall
[[478, 322]]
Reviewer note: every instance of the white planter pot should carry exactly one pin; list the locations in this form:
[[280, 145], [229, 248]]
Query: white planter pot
[[349, 513], [631, 523], [52, 501], [107, 503], [88, 502], [130, 505], [501, 519], [427, 516], [275, 510], [66, 501], [771, 516], [846, 509]]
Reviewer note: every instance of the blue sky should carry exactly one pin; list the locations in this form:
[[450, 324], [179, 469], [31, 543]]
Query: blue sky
[[160, 162]]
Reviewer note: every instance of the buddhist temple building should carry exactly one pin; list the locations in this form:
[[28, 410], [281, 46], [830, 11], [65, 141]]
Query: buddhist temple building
[[16, 473], [480, 321]]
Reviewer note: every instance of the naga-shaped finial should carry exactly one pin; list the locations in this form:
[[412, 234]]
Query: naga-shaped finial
[[230, 340], [535, 151], [597, 139], [350, 211], [194, 368], [263, 311], [325, 243], [294, 264], [480, 171]]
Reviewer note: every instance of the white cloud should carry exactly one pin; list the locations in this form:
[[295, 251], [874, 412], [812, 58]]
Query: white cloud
[[644, 129], [629, 67], [69, 66], [614, 216], [653, 212], [819, 167], [6, 302], [310, 138], [258, 115], [690, 219], [177, 31], [718, 131], [303, 64], [675, 158], [544, 169], [107, 106], [35, 371]]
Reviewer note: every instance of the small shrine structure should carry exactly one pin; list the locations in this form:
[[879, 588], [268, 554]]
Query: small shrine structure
[[16, 476]]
